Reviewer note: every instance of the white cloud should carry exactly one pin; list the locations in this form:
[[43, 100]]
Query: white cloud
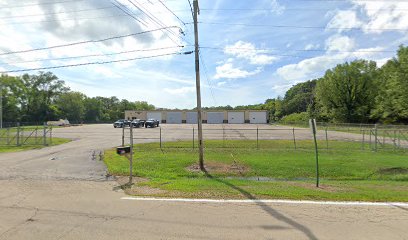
[[312, 46], [345, 20], [276, 7], [247, 51], [339, 43], [228, 71], [182, 90]]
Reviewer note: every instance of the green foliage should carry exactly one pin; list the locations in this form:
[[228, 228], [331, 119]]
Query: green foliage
[[296, 117], [347, 92], [299, 97], [392, 100]]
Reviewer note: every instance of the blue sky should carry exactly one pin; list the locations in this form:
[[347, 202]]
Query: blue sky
[[250, 50]]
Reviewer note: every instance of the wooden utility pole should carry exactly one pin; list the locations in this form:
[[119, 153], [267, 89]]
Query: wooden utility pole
[[198, 88]]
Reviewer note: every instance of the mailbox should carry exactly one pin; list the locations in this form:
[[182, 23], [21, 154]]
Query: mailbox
[[123, 150]]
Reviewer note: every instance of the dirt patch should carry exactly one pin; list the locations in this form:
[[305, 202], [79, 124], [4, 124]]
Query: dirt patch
[[393, 171], [221, 168]]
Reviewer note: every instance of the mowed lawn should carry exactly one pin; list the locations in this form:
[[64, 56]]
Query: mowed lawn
[[237, 169], [31, 144]]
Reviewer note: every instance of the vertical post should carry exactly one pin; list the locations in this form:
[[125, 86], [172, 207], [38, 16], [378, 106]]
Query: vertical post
[[45, 134], [160, 133], [376, 137], [1, 105], [327, 140], [193, 139], [131, 156], [198, 88], [313, 127], [50, 135], [8, 136], [371, 131], [257, 137], [294, 138], [363, 141], [18, 134], [395, 139], [399, 139], [123, 135]]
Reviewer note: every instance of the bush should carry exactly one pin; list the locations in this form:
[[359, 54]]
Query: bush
[[296, 117]]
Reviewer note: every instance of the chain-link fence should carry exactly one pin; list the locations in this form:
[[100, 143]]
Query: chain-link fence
[[279, 137], [25, 134]]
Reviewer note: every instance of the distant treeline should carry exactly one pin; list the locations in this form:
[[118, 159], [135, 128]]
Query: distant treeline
[[43, 97], [354, 92]]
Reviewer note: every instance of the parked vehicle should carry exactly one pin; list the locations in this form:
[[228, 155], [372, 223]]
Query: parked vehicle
[[137, 123], [151, 123], [119, 124]]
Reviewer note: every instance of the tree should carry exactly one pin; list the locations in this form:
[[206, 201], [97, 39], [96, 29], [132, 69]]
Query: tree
[[299, 97], [347, 92], [392, 100], [71, 106]]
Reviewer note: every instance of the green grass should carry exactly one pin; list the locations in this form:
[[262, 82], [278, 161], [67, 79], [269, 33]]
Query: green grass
[[347, 173], [30, 146]]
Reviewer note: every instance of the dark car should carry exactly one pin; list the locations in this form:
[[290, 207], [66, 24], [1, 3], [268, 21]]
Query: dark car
[[137, 123], [152, 123], [119, 124]]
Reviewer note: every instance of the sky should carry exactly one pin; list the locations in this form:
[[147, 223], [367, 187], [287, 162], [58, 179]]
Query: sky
[[250, 51]]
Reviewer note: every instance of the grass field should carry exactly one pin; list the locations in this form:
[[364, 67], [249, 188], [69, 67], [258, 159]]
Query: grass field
[[276, 170], [11, 148]]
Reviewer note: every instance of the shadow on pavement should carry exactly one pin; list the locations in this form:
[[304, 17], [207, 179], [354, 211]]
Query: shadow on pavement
[[272, 212]]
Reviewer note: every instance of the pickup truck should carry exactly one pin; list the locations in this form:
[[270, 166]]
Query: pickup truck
[[121, 123], [151, 123]]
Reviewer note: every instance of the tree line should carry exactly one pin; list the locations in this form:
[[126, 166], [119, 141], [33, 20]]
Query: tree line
[[353, 92], [43, 97]]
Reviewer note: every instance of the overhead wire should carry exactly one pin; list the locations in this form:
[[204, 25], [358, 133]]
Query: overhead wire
[[87, 41], [119, 6], [95, 55], [89, 63]]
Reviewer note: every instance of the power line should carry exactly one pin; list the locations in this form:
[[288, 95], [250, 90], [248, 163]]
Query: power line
[[95, 55], [303, 27], [172, 12], [301, 50], [293, 9], [89, 63], [83, 42], [126, 12], [207, 78]]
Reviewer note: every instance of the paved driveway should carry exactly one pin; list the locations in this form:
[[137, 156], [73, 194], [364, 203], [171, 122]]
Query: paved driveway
[[62, 192]]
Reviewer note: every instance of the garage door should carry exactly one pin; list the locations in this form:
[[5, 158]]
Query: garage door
[[154, 115], [257, 117], [236, 117], [215, 117], [192, 118], [174, 117]]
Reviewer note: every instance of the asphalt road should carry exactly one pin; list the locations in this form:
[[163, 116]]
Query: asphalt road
[[63, 192]]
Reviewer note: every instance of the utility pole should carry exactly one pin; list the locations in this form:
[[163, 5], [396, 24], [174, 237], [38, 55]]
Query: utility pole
[[198, 88]]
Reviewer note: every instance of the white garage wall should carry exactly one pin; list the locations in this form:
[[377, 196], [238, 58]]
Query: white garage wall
[[192, 118], [236, 117], [174, 117], [155, 115], [257, 117], [215, 117]]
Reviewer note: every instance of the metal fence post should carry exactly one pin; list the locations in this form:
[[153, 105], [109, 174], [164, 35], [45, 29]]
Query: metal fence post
[[257, 137], [327, 140], [376, 137], [399, 139], [131, 155], [50, 135], [363, 140], [160, 138], [45, 134], [193, 139], [294, 137], [18, 135], [8, 136], [123, 135]]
